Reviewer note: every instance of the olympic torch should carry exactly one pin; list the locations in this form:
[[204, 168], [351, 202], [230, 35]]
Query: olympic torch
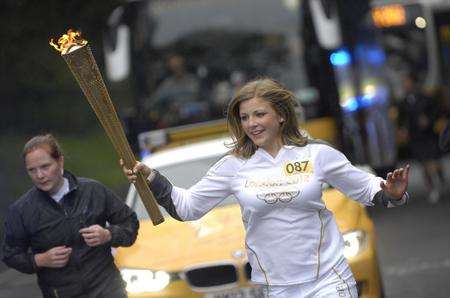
[[79, 58]]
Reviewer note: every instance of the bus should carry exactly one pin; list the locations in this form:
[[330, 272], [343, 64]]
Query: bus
[[176, 63]]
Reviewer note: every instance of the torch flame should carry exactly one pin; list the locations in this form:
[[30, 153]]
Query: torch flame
[[65, 42]]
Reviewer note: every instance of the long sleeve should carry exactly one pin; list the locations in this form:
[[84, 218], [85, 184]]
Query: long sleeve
[[16, 250], [162, 190], [213, 188], [123, 222], [193, 203], [383, 199], [335, 169]]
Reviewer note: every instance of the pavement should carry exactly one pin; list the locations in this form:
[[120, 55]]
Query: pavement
[[14, 284]]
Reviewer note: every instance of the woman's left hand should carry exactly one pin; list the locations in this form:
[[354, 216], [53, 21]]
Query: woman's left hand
[[396, 183]]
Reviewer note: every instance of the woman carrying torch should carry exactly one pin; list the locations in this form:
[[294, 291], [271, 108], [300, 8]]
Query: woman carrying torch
[[276, 174]]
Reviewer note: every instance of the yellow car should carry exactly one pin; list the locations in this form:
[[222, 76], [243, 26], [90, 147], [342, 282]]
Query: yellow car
[[207, 258]]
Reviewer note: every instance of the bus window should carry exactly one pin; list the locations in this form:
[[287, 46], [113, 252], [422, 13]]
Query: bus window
[[199, 52]]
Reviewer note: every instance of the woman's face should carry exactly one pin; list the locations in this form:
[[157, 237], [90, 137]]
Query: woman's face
[[261, 123], [45, 171]]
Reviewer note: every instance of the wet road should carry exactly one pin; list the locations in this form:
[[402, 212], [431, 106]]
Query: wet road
[[413, 248]]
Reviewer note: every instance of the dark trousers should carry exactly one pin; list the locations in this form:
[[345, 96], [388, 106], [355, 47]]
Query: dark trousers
[[113, 287]]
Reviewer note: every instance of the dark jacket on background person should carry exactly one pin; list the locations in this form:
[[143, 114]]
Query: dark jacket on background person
[[444, 138], [418, 114], [36, 223]]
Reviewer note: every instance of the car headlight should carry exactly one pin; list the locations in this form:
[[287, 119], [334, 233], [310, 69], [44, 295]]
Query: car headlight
[[354, 243], [141, 280]]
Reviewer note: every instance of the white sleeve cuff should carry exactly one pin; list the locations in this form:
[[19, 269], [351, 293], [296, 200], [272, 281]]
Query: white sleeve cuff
[[404, 200], [151, 176]]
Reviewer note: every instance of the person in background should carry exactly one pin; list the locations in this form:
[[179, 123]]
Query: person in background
[[178, 97], [276, 174], [180, 85], [418, 114], [444, 138], [63, 228]]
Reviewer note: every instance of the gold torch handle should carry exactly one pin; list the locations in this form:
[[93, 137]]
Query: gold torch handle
[[83, 66]]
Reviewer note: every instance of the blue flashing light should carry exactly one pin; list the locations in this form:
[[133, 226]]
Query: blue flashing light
[[366, 100], [340, 58], [376, 56], [351, 105], [144, 153]]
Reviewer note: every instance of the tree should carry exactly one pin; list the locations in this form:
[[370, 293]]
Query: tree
[[38, 91]]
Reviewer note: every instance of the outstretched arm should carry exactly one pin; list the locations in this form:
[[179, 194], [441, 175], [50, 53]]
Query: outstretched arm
[[197, 200]]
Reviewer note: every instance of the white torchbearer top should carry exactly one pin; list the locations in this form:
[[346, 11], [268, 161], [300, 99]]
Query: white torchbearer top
[[291, 237]]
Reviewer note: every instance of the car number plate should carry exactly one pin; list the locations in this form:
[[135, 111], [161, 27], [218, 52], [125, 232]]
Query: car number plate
[[255, 292]]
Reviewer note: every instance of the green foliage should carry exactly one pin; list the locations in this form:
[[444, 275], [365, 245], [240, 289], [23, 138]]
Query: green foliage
[[12, 171], [38, 91], [89, 155], [92, 155]]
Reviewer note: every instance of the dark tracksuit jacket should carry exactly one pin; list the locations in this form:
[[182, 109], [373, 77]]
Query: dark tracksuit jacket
[[36, 223]]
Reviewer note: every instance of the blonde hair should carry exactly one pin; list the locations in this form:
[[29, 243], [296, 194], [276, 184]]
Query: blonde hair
[[283, 102]]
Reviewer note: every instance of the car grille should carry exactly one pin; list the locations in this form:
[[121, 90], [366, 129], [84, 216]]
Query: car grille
[[212, 276], [248, 271]]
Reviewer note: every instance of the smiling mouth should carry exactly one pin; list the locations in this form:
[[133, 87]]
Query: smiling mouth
[[256, 132]]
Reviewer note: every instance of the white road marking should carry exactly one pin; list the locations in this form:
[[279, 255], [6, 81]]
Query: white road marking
[[414, 266]]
